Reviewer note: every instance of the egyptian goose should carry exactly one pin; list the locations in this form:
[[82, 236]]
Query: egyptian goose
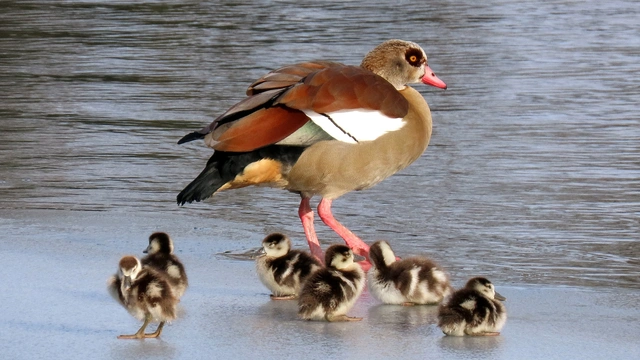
[[410, 281], [283, 270], [333, 290], [321, 128], [145, 293], [473, 310], [160, 257]]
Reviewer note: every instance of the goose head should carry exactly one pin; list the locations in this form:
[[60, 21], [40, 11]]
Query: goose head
[[401, 62]]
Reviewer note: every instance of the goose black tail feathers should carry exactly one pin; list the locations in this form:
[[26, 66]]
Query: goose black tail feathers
[[203, 186], [223, 167]]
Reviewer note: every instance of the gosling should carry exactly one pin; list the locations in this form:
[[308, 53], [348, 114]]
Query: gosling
[[475, 310]]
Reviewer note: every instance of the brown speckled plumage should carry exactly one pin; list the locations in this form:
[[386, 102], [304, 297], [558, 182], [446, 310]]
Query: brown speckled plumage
[[414, 280], [282, 269], [473, 310], [145, 293], [160, 257], [330, 292]]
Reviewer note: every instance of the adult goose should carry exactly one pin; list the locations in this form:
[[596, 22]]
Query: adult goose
[[321, 129]]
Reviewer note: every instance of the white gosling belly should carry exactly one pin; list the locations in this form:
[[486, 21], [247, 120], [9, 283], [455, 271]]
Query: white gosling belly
[[384, 291], [266, 277], [457, 329]]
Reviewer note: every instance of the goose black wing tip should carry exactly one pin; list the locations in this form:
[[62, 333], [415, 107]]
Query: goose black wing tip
[[196, 135]]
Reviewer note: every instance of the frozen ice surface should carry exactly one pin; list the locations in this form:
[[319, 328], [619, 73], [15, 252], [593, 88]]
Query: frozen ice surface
[[55, 304]]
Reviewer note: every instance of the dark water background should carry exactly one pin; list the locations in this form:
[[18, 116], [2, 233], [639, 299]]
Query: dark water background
[[532, 174]]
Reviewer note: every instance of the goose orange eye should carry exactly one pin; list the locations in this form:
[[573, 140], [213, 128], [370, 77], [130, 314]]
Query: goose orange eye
[[413, 58]]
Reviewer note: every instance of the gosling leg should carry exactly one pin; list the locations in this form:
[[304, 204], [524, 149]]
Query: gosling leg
[[140, 334], [156, 333]]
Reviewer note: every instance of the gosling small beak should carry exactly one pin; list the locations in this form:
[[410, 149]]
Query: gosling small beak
[[358, 258], [126, 283], [146, 251], [497, 296]]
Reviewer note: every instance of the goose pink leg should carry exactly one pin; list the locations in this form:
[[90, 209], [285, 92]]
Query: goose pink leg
[[306, 216], [358, 246], [355, 243]]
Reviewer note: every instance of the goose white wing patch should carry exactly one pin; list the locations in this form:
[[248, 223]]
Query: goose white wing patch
[[353, 126]]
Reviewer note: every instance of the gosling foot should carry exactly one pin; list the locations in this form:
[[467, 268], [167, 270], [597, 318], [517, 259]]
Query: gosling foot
[[336, 318]]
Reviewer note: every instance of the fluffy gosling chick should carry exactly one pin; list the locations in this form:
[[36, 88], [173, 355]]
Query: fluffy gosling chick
[[145, 293], [473, 310], [332, 291], [410, 281], [160, 257], [283, 270]]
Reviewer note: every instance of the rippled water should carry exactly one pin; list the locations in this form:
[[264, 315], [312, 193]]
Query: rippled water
[[532, 174]]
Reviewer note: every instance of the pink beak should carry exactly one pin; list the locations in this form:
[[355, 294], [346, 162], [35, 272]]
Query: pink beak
[[430, 78]]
